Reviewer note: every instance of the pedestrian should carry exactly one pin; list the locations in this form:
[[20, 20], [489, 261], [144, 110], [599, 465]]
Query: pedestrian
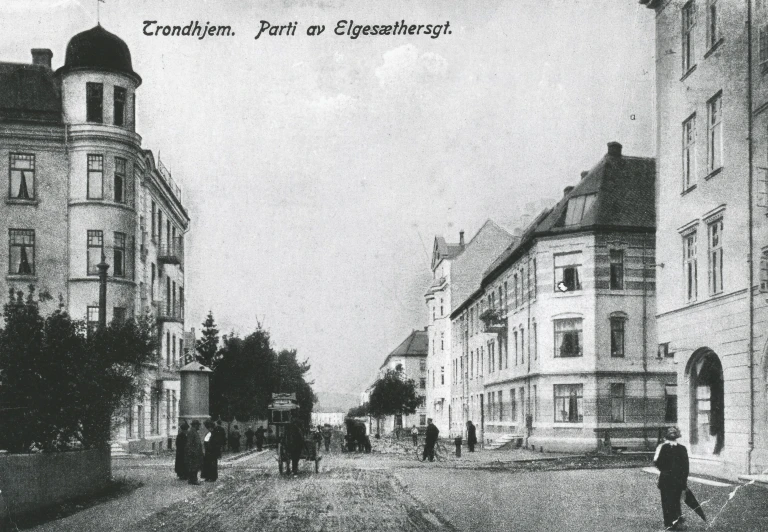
[[294, 443], [471, 436], [249, 438], [234, 440], [181, 441], [193, 453], [211, 457], [671, 459], [259, 438], [415, 435], [327, 431], [430, 441], [221, 437]]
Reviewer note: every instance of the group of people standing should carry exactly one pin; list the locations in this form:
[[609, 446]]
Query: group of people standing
[[196, 453]]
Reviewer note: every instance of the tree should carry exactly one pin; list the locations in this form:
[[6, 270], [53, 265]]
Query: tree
[[358, 411], [60, 385], [208, 346], [392, 394]]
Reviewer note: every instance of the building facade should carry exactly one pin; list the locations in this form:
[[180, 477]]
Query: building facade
[[567, 354], [80, 189], [467, 270], [438, 299], [712, 243], [410, 360]]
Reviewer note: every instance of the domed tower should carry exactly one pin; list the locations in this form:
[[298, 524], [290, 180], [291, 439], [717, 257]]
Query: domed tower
[[98, 87]]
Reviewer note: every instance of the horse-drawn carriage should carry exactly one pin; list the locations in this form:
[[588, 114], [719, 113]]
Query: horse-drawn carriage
[[280, 416]]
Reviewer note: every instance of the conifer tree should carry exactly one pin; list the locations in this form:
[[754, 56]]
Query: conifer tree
[[208, 346]]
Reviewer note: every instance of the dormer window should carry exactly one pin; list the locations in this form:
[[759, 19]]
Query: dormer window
[[119, 106], [94, 99], [578, 207]]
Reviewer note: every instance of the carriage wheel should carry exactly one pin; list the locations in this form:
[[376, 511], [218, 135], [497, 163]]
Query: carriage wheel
[[280, 457]]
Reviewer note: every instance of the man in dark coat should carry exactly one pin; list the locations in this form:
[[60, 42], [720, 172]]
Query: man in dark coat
[[193, 453], [430, 441], [671, 459], [259, 438], [249, 438], [234, 440], [294, 443], [221, 437], [471, 436], [181, 441], [327, 437]]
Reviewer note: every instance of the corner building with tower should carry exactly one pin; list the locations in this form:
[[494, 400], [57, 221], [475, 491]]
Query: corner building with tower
[[79, 187]]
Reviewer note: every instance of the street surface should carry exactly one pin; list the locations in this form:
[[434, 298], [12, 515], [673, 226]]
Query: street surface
[[389, 492]]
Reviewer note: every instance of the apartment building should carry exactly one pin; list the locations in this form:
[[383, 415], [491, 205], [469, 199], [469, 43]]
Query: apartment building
[[80, 189], [712, 243]]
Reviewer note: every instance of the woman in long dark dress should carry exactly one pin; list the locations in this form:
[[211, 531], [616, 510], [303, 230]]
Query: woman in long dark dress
[[211, 457], [181, 441]]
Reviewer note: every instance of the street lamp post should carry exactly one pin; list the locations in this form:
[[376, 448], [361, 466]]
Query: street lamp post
[[103, 267]]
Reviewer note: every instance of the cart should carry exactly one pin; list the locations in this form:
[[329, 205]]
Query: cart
[[280, 416]]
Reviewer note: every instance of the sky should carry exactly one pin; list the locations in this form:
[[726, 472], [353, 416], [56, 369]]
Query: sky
[[317, 170]]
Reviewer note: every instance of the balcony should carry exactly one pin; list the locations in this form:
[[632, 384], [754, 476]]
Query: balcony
[[171, 252], [493, 322], [166, 312]]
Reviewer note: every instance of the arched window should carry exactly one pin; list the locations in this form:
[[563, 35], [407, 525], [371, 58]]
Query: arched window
[[705, 374]]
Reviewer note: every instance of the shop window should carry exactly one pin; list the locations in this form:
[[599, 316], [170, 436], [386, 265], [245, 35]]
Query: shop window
[[569, 403]]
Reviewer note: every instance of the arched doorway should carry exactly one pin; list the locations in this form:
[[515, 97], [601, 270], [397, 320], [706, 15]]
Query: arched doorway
[[707, 405]]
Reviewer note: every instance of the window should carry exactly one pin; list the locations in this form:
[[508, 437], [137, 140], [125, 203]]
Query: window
[[119, 255], [569, 403], [617, 269], [442, 341], [517, 354], [764, 271], [715, 238], [567, 268], [670, 403], [713, 29], [94, 96], [617, 337], [119, 180], [535, 404], [522, 404], [689, 252], [442, 374], [504, 299], [119, 106], [118, 314], [167, 348], [21, 251], [422, 419], [159, 228], [95, 250], [95, 176], [181, 348], [568, 338], [689, 152], [422, 383], [92, 320], [715, 133], [152, 286], [533, 266], [577, 208], [153, 220], [763, 54], [173, 349], [501, 405], [513, 405], [689, 21], [422, 365], [617, 402], [22, 176], [664, 351], [535, 345], [441, 307]]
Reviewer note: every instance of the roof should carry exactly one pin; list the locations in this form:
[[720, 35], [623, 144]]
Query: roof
[[30, 93], [99, 49], [624, 189], [415, 345], [443, 250]]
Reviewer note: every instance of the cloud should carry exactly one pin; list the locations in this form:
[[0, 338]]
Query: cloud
[[405, 67]]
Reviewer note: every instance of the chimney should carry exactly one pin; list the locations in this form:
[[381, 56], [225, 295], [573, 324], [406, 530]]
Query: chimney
[[567, 190], [525, 220], [585, 172], [42, 57], [517, 231], [614, 149], [461, 238]]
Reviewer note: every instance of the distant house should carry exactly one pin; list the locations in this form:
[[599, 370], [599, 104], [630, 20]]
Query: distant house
[[409, 359], [334, 419]]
